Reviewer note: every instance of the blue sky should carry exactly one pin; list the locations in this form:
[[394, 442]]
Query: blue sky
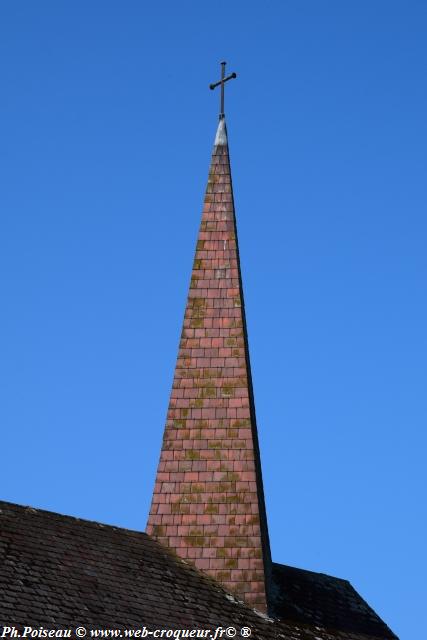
[[106, 128]]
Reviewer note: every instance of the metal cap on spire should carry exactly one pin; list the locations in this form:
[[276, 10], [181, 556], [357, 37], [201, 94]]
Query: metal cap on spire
[[222, 83], [221, 133]]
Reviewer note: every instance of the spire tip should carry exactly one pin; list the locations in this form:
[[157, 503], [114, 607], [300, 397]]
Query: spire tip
[[221, 133]]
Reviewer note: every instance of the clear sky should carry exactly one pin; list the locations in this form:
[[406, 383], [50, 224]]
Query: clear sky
[[106, 130]]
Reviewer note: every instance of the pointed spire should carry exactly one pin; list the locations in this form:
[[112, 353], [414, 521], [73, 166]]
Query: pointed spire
[[208, 501]]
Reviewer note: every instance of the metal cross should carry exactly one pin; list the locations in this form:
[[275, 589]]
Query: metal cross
[[222, 82]]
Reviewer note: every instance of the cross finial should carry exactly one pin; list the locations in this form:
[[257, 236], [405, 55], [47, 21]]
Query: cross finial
[[222, 83]]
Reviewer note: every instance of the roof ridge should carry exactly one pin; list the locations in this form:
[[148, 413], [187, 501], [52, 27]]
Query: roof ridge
[[316, 573], [37, 510]]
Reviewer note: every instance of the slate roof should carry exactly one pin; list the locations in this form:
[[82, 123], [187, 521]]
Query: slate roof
[[305, 596], [60, 572]]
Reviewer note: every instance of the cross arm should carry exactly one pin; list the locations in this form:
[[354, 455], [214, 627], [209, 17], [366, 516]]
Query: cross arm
[[216, 84]]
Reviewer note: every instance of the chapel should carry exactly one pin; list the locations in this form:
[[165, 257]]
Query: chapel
[[204, 562]]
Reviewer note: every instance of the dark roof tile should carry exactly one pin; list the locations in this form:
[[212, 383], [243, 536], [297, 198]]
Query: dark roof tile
[[306, 596]]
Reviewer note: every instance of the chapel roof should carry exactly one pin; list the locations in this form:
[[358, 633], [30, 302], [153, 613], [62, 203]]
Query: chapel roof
[[59, 572]]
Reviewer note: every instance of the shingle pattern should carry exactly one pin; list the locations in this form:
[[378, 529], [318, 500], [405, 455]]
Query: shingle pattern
[[322, 600], [60, 572], [208, 502]]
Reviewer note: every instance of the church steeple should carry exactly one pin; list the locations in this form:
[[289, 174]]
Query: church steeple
[[208, 501]]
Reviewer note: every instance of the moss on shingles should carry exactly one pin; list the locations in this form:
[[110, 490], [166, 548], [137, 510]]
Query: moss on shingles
[[197, 303], [230, 476], [193, 498], [238, 444], [236, 541], [237, 424], [227, 391], [223, 576], [192, 454], [211, 509], [195, 541], [231, 563], [215, 444], [212, 373], [179, 507], [208, 392], [197, 488], [159, 530]]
